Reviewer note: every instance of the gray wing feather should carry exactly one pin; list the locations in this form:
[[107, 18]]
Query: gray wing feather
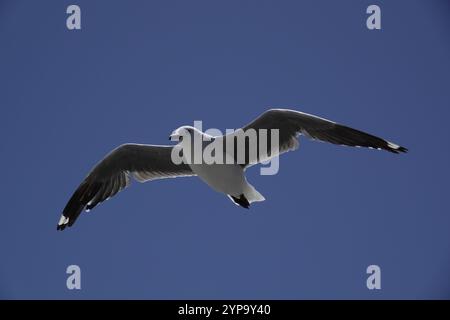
[[291, 124], [112, 174]]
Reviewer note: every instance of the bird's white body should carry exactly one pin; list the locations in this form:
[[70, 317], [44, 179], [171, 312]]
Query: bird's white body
[[224, 178], [228, 179]]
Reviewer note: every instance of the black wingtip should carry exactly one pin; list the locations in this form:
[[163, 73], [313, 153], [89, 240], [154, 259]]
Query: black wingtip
[[398, 150], [63, 223], [402, 149]]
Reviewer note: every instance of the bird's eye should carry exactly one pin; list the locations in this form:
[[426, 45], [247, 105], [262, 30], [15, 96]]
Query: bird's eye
[[180, 138]]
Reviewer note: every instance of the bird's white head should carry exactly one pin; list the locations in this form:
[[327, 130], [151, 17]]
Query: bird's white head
[[183, 131]]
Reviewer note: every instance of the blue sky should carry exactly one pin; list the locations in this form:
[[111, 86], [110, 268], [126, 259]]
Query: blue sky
[[137, 70]]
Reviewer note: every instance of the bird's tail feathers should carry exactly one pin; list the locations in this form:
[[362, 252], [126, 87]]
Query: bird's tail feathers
[[252, 194]]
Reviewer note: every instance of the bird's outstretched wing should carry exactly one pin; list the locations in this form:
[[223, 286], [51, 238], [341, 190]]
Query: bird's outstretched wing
[[112, 174], [291, 124]]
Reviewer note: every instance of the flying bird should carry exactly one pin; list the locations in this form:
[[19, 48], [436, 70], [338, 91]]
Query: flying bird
[[151, 162]]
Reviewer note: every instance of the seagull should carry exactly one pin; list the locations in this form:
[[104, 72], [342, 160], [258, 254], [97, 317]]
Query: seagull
[[151, 162]]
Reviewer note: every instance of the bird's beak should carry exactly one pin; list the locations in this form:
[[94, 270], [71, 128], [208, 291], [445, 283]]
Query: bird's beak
[[174, 136]]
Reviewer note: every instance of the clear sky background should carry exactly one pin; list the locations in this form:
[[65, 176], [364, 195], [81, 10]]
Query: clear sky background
[[139, 69]]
